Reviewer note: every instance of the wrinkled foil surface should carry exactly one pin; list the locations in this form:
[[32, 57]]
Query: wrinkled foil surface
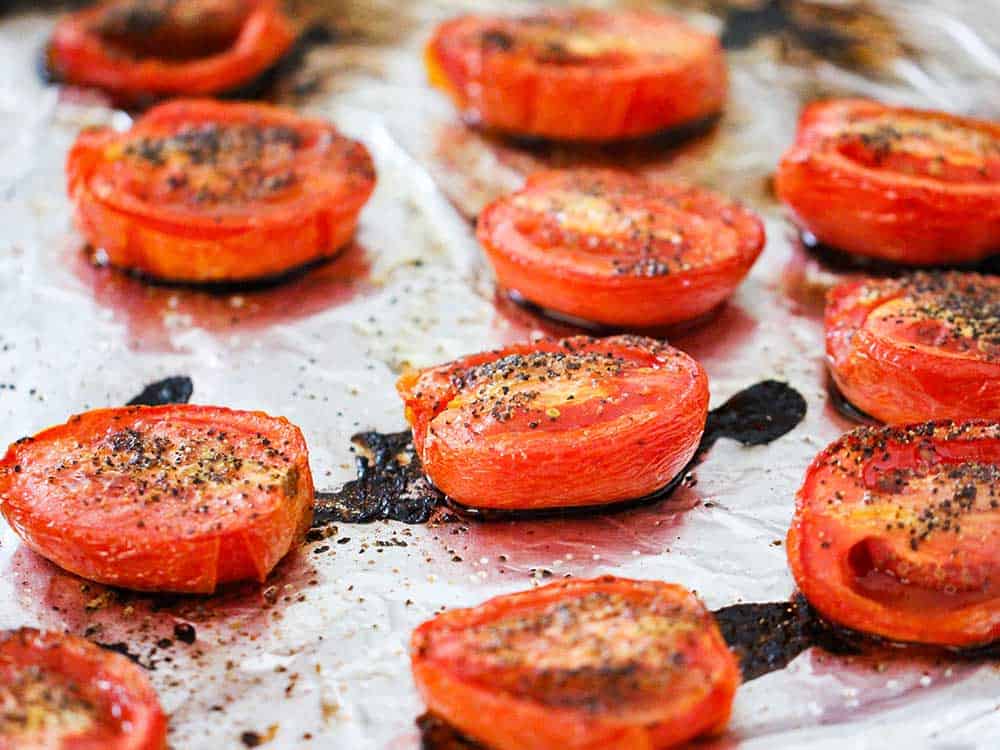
[[317, 656]]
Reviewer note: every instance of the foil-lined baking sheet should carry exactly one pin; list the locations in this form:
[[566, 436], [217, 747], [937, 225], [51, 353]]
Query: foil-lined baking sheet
[[317, 657]]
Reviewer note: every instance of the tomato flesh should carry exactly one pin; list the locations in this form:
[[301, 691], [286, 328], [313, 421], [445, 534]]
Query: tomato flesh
[[174, 498], [142, 50], [576, 74], [896, 532], [579, 665], [923, 347], [903, 185], [60, 692], [619, 250], [203, 191], [553, 424]]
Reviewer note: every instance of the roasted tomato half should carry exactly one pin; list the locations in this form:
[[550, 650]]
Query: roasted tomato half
[[897, 532], [619, 250], [603, 664], [554, 424], [203, 191], [923, 347], [580, 75], [60, 692], [902, 185], [161, 498], [142, 50]]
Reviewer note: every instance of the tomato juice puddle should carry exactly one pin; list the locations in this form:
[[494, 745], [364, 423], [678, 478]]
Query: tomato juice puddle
[[391, 484]]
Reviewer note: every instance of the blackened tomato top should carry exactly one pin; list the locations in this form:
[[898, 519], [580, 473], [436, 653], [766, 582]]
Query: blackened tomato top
[[557, 423], [924, 346], [896, 532]]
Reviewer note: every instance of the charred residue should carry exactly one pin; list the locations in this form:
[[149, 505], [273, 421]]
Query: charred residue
[[390, 486], [767, 636], [756, 415], [177, 389], [854, 34]]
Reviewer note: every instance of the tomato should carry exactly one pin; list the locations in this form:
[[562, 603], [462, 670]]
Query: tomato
[[619, 250], [608, 663], [555, 424], [142, 50], [61, 692], [174, 498], [203, 191], [576, 74], [896, 532], [902, 185], [926, 346]]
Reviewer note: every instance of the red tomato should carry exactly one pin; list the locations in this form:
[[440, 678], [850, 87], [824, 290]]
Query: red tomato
[[902, 185], [141, 50], [575, 74], [897, 532], [161, 498], [619, 250], [203, 191], [923, 347], [555, 424], [603, 664], [60, 692]]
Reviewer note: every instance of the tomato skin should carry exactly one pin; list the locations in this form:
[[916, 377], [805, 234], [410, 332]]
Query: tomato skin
[[125, 530], [896, 529], [625, 437], [515, 91], [903, 381], [885, 213], [79, 55], [456, 686], [597, 285], [128, 711], [202, 244]]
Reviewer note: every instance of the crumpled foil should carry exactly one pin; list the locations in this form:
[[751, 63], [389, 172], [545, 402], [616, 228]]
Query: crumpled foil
[[317, 657]]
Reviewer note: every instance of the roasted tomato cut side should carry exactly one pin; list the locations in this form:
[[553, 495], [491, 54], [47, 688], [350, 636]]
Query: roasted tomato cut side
[[579, 75], [202, 191], [619, 250], [142, 50], [608, 663], [165, 498], [60, 692], [897, 532], [923, 347], [555, 424], [903, 185]]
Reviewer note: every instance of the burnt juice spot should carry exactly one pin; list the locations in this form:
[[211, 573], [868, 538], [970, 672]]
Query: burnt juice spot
[[766, 636], [437, 734], [391, 484], [756, 415], [173, 390]]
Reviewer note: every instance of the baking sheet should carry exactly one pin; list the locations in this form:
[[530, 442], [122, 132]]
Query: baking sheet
[[317, 658]]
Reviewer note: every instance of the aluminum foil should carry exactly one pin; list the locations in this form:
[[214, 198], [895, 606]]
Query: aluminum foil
[[317, 657]]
